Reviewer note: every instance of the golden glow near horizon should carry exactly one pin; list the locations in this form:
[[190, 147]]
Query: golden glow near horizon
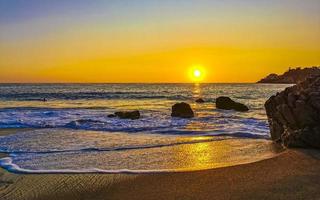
[[156, 41]]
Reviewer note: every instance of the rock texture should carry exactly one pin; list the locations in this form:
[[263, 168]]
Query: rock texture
[[228, 104], [292, 76], [127, 114], [294, 115], [200, 100], [182, 110]]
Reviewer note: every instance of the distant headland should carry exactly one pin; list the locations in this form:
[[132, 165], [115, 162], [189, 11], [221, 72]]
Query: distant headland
[[291, 76]]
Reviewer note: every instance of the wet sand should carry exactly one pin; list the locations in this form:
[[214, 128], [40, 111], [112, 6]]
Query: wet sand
[[293, 174]]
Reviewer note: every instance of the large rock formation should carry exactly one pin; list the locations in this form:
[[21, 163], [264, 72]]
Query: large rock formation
[[182, 110], [228, 104], [294, 115], [292, 76]]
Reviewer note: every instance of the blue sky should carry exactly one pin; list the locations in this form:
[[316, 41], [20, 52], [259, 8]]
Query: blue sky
[[19, 10]]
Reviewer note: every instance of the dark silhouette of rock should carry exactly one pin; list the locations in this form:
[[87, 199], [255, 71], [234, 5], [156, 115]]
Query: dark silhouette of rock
[[111, 115], [182, 110], [200, 100], [128, 114], [228, 104], [292, 76], [294, 115]]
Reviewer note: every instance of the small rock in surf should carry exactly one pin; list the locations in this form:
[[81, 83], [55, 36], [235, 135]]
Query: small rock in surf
[[228, 104], [200, 100], [128, 114], [182, 110]]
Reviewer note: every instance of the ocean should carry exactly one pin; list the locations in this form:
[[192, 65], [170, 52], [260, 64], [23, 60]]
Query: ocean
[[71, 133]]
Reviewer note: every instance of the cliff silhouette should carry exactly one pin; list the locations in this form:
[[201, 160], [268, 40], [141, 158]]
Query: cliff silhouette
[[292, 76]]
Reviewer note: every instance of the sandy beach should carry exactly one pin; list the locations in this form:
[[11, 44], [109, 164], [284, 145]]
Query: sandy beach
[[293, 174]]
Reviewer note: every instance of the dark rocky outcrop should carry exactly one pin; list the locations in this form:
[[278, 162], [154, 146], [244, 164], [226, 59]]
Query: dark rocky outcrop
[[294, 115], [127, 115], [182, 110], [292, 76], [112, 116], [228, 104], [200, 100]]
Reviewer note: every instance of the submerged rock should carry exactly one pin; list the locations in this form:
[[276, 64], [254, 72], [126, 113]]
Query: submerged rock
[[228, 104], [294, 115], [127, 114], [200, 100], [182, 110], [112, 116]]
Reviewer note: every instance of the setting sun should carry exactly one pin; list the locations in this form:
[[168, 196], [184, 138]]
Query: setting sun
[[103, 84], [197, 73]]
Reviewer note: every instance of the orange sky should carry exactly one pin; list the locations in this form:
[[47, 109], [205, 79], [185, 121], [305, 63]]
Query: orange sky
[[157, 42]]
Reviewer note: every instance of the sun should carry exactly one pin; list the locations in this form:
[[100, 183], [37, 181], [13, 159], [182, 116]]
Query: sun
[[197, 73]]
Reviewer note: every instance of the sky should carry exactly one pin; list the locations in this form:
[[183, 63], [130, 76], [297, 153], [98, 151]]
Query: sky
[[155, 40]]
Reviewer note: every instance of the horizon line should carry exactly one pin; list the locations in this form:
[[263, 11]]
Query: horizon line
[[128, 82]]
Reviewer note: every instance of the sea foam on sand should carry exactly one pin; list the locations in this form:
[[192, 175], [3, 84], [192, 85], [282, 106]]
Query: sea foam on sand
[[72, 151]]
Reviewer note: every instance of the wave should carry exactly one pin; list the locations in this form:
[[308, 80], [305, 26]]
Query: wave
[[7, 164], [89, 124], [165, 130], [91, 96], [34, 108], [209, 122], [142, 161], [94, 149], [219, 137]]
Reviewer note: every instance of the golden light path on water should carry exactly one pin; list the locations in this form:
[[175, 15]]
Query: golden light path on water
[[206, 155]]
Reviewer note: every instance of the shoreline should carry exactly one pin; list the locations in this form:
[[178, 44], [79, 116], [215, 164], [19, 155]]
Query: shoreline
[[292, 174], [124, 171], [225, 153]]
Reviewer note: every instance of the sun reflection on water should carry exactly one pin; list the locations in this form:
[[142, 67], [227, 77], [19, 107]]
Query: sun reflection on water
[[223, 153], [196, 91]]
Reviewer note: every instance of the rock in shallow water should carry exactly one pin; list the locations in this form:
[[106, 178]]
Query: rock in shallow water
[[182, 110], [200, 100], [294, 115], [127, 115], [228, 104]]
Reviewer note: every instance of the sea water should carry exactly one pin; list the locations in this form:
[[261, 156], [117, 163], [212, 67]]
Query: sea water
[[70, 131]]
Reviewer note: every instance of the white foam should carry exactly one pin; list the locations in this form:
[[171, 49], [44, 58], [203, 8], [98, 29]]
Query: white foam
[[7, 164], [184, 157]]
